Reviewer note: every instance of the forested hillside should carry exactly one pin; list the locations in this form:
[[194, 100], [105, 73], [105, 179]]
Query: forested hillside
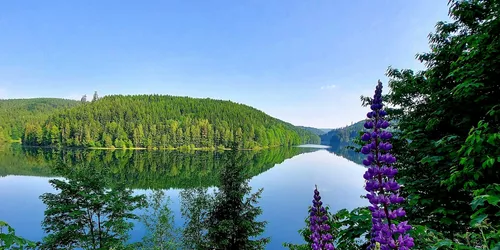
[[148, 121], [316, 131], [346, 135], [342, 136], [15, 113]]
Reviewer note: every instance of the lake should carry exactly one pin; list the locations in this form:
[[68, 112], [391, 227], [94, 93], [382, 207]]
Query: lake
[[287, 176]]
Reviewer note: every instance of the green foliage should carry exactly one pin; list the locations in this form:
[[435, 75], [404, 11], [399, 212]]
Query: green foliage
[[342, 136], [95, 97], [232, 220], [447, 132], [479, 165], [349, 229], [148, 121], [9, 239], [226, 219], [15, 114], [447, 135], [426, 238], [158, 219], [86, 214], [4, 135], [347, 139], [436, 109], [315, 131], [13, 161]]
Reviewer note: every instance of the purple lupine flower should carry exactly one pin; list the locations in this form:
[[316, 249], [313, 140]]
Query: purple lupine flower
[[380, 183], [321, 236]]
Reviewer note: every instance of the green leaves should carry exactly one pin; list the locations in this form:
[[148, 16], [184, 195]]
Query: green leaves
[[441, 244], [448, 136], [489, 162], [467, 88], [478, 218], [449, 116], [349, 229], [86, 213], [9, 239]]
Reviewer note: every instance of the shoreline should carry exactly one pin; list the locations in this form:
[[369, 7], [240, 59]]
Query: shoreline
[[181, 148]]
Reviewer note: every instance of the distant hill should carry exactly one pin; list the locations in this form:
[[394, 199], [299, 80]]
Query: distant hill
[[15, 113], [325, 130], [149, 121], [343, 135], [316, 131]]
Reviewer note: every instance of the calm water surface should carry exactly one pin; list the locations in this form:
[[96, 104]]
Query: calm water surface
[[287, 175]]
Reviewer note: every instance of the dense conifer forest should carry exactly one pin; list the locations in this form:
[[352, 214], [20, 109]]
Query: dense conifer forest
[[16, 113], [159, 121]]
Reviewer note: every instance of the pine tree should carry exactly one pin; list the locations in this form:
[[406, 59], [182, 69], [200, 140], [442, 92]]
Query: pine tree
[[232, 221], [95, 97]]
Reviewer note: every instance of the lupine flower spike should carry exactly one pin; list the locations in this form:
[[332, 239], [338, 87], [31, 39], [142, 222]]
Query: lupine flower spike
[[321, 237], [388, 231]]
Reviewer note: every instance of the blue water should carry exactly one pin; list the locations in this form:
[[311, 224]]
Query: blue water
[[288, 188]]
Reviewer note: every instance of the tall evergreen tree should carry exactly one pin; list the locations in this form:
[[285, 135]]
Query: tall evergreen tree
[[232, 222], [95, 97]]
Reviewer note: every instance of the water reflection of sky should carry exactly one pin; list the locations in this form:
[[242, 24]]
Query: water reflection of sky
[[20, 204], [288, 189]]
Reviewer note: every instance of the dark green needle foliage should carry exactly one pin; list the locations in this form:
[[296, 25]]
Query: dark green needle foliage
[[15, 114], [232, 221], [226, 219], [160, 121]]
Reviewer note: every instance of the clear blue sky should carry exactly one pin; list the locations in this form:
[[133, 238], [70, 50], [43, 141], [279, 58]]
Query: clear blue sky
[[306, 62]]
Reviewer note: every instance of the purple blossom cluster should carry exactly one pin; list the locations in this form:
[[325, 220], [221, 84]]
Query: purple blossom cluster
[[321, 237], [381, 185]]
